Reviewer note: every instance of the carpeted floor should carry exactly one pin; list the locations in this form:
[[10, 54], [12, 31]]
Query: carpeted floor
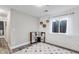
[[43, 48]]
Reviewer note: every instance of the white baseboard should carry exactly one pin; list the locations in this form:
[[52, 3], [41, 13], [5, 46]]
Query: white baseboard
[[13, 47]]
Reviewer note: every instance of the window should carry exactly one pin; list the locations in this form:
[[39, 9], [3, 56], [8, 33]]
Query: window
[[1, 28], [55, 26], [59, 25], [63, 26]]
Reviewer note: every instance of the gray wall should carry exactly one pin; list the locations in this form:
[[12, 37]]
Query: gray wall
[[69, 40], [21, 25]]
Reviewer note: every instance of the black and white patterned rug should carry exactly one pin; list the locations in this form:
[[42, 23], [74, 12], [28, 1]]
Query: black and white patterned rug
[[43, 48]]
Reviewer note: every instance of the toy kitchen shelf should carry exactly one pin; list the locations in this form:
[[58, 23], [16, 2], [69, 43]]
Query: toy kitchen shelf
[[37, 37]]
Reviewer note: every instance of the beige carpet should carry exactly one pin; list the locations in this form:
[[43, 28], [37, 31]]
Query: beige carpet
[[4, 51]]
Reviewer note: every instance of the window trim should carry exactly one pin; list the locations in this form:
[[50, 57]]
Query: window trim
[[59, 25]]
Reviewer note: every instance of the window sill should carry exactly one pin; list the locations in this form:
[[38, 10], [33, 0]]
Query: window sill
[[2, 36], [59, 33]]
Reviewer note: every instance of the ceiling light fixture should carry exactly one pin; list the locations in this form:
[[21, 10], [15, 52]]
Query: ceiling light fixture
[[46, 10], [38, 5]]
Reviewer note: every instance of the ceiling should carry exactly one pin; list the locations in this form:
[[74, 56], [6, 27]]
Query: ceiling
[[35, 11]]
